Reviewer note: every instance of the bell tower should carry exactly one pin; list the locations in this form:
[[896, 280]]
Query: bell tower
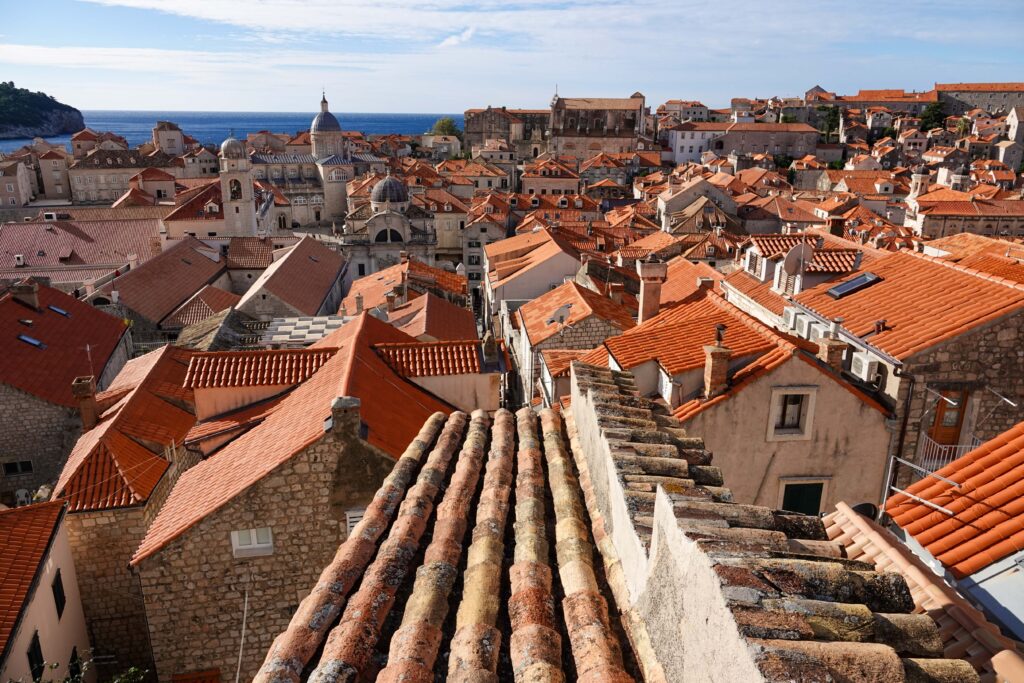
[[236, 186]]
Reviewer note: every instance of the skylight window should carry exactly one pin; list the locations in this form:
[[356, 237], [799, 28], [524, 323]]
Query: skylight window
[[32, 340], [858, 283], [60, 311]]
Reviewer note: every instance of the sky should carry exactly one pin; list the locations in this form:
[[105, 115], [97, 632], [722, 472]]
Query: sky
[[446, 56]]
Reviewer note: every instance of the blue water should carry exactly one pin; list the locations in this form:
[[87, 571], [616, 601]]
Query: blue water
[[213, 127]]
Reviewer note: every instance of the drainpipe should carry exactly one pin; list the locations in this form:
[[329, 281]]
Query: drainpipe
[[890, 475]]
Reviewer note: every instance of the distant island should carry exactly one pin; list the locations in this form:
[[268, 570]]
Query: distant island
[[26, 114]]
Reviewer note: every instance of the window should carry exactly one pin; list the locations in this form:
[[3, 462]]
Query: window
[[362, 269], [36, 663], [352, 518], [802, 494], [17, 467], [58, 595], [791, 413], [10, 187], [252, 542]]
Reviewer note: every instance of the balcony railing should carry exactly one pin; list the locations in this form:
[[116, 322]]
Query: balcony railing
[[934, 456]]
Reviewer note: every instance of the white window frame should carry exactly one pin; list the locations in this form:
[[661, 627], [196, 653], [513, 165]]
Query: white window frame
[[806, 429], [247, 542], [352, 517], [825, 481]]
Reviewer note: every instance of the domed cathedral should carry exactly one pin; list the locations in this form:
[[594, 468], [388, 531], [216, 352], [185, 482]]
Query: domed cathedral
[[378, 232], [333, 155], [236, 187]]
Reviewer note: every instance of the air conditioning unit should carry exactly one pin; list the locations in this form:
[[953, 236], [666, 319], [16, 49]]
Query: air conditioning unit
[[863, 366], [791, 316], [818, 331], [803, 326]]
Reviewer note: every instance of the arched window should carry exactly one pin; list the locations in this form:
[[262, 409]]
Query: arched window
[[282, 222], [235, 187], [388, 236]]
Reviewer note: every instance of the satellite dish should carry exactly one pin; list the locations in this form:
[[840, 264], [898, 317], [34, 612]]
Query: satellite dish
[[797, 259]]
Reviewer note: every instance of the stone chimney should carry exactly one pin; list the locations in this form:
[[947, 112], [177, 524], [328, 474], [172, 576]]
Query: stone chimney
[[27, 293], [390, 297], [831, 348], [716, 365], [359, 303], [615, 291], [836, 225], [84, 391], [652, 276], [490, 348], [403, 256], [345, 419], [705, 282]]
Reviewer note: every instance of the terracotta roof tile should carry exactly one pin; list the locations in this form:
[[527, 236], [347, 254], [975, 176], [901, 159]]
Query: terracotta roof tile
[[268, 367], [47, 371], [250, 253], [559, 360], [207, 301], [158, 287], [109, 466], [583, 303], [987, 523], [420, 276], [355, 370], [432, 316], [25, 536], [428, 359], [924, 301], [303, 278]]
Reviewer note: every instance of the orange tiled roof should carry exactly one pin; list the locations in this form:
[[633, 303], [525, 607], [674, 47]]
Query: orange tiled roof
[[268, 367], [757, 291], [25, 536], [742, 378], [304, 277], [676, 338], [233, 421], [987, 523], [583, 303], [375, 286], [109, 467], [158, 287], [428, 359], [924, 301], [430, 315], [512, 257], [393, 410], [681, 281], [47, 371], [250, 253], [207, 301], [1005, 267], [558, 361]]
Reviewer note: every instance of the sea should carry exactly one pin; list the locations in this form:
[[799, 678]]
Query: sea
[[213, 127]]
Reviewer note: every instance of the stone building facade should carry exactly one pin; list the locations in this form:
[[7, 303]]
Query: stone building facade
[[514, 126], [582, 126], [304, 502], [986, 364], [36, 432]]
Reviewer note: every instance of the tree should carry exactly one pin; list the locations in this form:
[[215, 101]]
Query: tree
[[788, 118], [445, 126], [830, 120], [933, 116]]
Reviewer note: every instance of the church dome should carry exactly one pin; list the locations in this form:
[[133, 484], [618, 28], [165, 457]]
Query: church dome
[[390, 189], [232, 149], [324, 121]]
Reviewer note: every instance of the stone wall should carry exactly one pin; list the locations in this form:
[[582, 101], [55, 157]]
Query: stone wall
[[103, 543], [990, 356], [195, 589], [34, 430], [586, 334]]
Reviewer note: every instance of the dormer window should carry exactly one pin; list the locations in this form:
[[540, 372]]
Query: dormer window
[[535, 201], [563, 203], [513, 202]]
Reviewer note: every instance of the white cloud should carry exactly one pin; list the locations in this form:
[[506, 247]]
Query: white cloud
[[458, 38], [274, 56]]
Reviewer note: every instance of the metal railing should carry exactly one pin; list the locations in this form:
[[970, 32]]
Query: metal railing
[[934, 456]]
